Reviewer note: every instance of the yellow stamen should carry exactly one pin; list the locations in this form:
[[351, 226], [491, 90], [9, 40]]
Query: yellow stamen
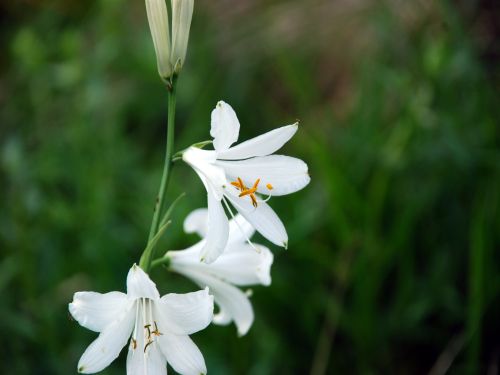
[[247, 192], [269, 187]]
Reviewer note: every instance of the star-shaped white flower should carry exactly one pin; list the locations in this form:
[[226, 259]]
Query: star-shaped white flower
[[240, 265], [236, 174], [158, 328]]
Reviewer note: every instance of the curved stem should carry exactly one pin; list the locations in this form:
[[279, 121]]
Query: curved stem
[[159, 261], [145, 261]]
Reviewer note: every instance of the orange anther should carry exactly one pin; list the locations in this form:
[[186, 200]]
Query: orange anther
[[269, 187], [248, 192], [254, 200], [256, 184]]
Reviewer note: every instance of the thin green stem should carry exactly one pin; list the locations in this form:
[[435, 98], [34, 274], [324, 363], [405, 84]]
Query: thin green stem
[[159, 261], [145, 262]]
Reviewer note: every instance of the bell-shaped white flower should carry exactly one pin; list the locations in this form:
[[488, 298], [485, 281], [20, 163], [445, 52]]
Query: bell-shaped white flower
[[238, 174], [239, 265], [158, 328], [170, 54]]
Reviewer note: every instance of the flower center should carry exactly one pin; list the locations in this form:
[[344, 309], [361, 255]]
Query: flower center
[[144, 314], [244, 191]]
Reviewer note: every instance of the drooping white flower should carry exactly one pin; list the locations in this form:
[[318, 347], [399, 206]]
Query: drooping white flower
[[170, 54], [236, 174], [158, 328], [239, 265]]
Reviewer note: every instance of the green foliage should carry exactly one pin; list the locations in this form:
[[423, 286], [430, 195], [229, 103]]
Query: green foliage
[[393, 255]]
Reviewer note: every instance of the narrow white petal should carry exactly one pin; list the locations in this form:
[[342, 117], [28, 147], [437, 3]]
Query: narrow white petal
[[197, 222], [262, 217], [185, 314], [96, 311], [139, 285], [233, 303], [106, 348], [202, 161], [262, 145], [225, 126], [243, 265], [286, 174], [218, 230], [182, 354], [182, 13], [151, 362], [158, 24]]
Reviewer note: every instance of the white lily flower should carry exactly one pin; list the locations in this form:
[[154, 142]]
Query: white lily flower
[[236, 174], [158, 328], [170, 54], [239, 265]]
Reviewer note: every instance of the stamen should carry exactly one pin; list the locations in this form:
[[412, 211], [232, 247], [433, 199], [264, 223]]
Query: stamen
[[269, 187]]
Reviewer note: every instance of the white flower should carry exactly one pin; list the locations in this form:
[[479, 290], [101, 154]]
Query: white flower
[[240, 265], [158, 328], [170, 55], [236, 174]]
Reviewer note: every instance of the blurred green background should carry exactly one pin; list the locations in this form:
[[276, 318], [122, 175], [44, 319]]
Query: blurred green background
[[393, 265]]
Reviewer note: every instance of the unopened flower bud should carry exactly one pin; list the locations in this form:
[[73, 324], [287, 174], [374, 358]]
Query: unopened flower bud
[[158, 24], [182, 13]]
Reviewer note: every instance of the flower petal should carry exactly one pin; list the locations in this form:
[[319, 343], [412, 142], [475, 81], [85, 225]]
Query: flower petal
[[151, 362], [139, 285], [182, 354], [262, 217], [218, 231], [188, 313], [225, 126], [233, 303], [286, 174], [197, 222], [262, 145], [96, 311], [144, 357], [106, 348], [202, 161], [243, 265]]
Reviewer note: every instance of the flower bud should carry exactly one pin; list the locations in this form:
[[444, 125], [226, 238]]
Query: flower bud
[[158, 24], [182, 13]]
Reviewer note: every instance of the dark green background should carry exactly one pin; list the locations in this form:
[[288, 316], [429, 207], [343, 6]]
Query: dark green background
[[393, 264]]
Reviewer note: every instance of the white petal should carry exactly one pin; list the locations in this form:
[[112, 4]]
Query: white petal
[[262, 217], [218, 231], [225, 126], [139, 285], [243, 265], [151, 362], [145, 357], [202, 161], [233, 303], [188, 313], [106, 348], [182, 354], [197, 222], [286, 174], [96, 311], [240, 230], [262, 145]]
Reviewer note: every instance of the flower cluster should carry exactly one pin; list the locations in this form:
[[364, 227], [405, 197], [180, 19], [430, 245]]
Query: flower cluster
[[239, 181]]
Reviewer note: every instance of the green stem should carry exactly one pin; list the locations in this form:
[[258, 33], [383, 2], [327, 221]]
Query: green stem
[[145, 261], [159, 261]]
